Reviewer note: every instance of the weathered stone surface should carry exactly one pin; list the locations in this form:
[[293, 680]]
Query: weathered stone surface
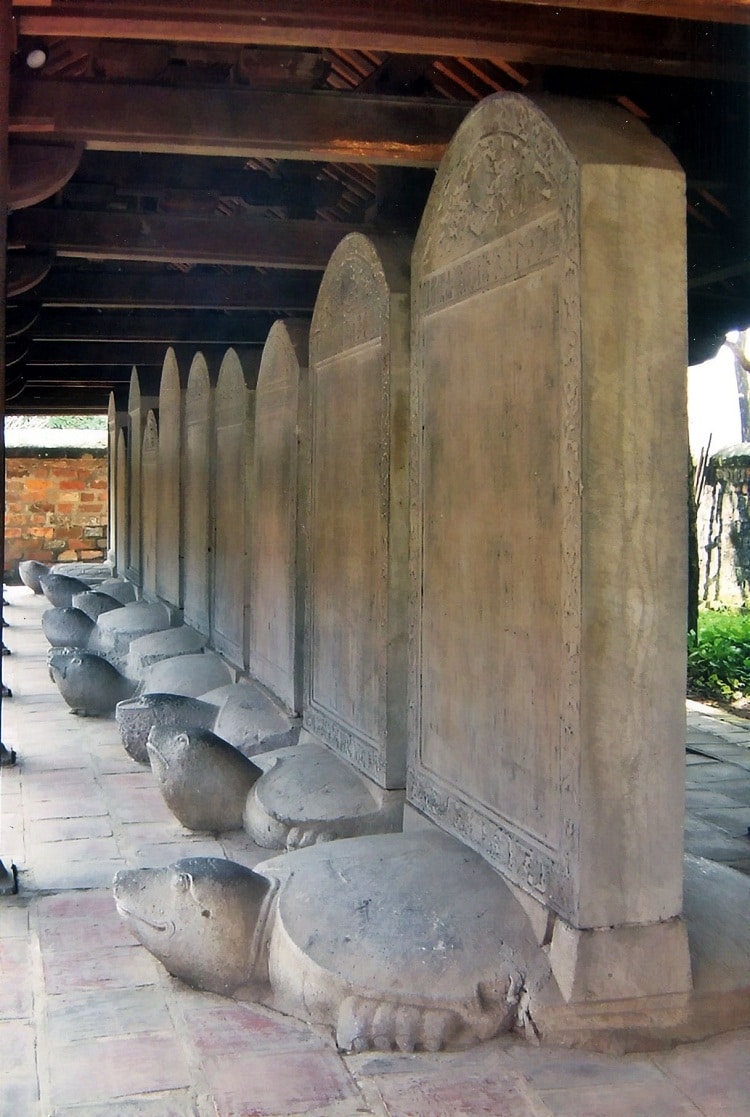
[[67, 627], [212, 951], [155, 646], [90, 685], [169, 546], [308, 794], [248, 716], [93, 603], [358, 523], [119, 588], [149, 504], [390, 965], [115, 630], [92, 572], [30, 571], [122, 500], [547, 664], [234, 412], [198, 525], [187, 674], [277, 577], [357, 570], [204, 779], [59, 588], [138, 407], [136, 717]]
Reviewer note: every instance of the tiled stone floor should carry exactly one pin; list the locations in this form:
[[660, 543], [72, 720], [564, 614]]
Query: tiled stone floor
[[92, 1026]]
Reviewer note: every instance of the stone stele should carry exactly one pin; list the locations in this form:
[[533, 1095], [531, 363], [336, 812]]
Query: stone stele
[[354, 714]]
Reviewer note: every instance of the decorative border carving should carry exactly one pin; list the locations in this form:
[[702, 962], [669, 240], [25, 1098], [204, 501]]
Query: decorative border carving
[[504, 205]]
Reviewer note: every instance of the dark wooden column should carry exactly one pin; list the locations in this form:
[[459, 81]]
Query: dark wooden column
[[7, 757]]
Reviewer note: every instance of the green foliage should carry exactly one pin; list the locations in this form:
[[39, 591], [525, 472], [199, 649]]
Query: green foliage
[[719, 658], [78, 422]]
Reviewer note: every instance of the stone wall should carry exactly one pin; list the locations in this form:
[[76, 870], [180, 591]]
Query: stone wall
[[56, 505], [724, 528]]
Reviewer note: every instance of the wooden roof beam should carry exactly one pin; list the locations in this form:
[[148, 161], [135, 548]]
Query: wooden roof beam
[[103, 354], [328, 127], [239, 241], [661, 36], [210, 327], [99, 286]]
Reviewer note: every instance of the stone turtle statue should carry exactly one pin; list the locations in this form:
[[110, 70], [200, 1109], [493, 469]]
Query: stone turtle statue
[[205, 781], [60, 588], [137, 716], [407, 941], [66, 627], [90, 685], [30, 572]]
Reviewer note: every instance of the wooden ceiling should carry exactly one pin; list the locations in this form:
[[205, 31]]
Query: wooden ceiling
[[181, 171]]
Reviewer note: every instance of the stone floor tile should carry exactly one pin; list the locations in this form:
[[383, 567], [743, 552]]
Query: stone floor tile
[[715, 771], [95, 907], [47, 875], [734, 820], [700, 799], [164, 853], [442, 1094], [16, 979], [262, 1085], [174, 1103], [649, 1099], [141, 804], [218, 1027], [140, 776], [124, 1066], [74, 1017], [72, 808], [122, 967], [562, 1069], [69, 829], [19, 1090], [14, 922], [714, 1074], [73, 849]]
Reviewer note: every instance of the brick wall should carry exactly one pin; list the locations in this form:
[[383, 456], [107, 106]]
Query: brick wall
[[55, 506]]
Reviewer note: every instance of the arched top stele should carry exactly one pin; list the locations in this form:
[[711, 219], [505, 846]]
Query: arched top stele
[[287, 346], [171, 381], [515, 160], [134, 394], [150, 434], [352, 307]]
